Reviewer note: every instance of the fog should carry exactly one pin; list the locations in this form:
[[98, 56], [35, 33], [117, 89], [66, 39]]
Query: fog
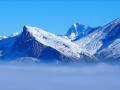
[[45, 77]]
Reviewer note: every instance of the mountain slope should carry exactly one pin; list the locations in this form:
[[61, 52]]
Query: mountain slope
[[103, 41], [80, 44], [37, 43]]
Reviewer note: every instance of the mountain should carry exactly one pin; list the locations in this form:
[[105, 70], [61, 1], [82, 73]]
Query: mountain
[[78, 31], [103, 42], [37, 43], [81, 44]]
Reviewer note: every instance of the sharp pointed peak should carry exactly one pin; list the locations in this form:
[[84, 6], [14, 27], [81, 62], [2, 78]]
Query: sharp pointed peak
[[27, 28], [75, 25]]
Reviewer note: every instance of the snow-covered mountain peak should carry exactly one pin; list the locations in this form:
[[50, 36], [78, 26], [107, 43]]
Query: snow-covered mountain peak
[[27, 28], [75, 25], [29, 31], [80, 43], [65, 47], [102, 38], [35, 31], [77, 31]]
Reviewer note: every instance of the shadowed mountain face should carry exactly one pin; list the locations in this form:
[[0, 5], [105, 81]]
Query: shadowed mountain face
[[103, 42], [78, 31], [37, 43], [29, 47], [83, 44]]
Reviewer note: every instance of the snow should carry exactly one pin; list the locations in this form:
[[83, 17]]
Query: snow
[[75, 26], [78, 31], [73, 31], [62, 45], [103, 42], [92, 42], [112, 51], [80, 39], [15, 34], [72, 36], [3, 37]]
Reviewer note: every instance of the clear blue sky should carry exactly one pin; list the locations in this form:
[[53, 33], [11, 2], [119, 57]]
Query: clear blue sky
[[55, 16]]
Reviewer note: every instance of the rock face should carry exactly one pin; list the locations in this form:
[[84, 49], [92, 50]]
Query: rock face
[[81, 44], [37, 43], [103, 42], [78, 31]]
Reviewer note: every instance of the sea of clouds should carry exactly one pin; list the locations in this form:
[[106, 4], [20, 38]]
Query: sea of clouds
[[56, 77]]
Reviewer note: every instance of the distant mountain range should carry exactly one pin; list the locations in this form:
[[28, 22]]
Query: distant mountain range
[[81, 44]]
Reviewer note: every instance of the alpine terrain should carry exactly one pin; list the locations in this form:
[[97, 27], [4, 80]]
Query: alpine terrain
[[80, 44]]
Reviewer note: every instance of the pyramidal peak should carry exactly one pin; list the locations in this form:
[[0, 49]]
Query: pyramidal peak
[[78, 31], [75, 25], [34, 31], [27, 28], [33, 38], [81, 43]]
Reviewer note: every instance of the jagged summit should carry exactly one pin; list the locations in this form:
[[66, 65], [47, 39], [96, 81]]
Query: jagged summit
[[53, 41], [103, 41], [77, 31], [81, 44], [31, 29], [40, 44]]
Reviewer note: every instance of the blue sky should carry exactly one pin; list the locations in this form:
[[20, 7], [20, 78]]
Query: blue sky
[[55, 16]]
